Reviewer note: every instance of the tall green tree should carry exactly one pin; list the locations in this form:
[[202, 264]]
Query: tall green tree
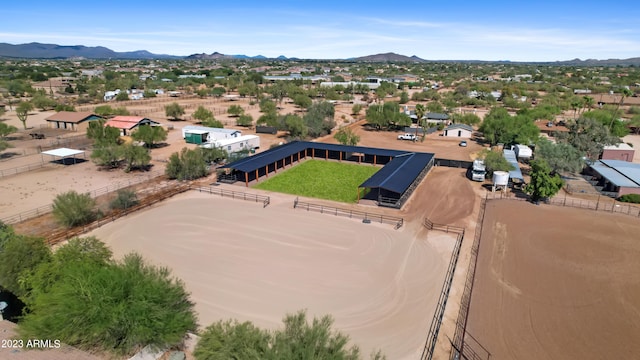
[[499, 127], [135, 157], [6, 129], [561, 157], [150, 135], [295, 125], [387, 116], [187, 165], [235, 110], [102, 135], [543, 183], [22, 112], [43, 102], [202, 114], [174, 110], [320, 119], [588, 136], [495, 161]]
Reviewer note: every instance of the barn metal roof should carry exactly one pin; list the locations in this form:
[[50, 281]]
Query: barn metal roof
[[510, 156], [270, 156], [620, 173], [399, 173]]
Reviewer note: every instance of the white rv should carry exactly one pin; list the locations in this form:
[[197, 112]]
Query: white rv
[[478, 171], [245, 142]]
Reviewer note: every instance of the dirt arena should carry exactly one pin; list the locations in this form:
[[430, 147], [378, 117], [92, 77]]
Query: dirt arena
[[556, 283], [241, 261]]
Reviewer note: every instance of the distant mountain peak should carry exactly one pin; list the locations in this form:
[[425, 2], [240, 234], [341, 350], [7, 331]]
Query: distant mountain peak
[[389, 57]]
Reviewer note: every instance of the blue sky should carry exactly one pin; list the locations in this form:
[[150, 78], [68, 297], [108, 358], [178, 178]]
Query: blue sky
[[442, 30]]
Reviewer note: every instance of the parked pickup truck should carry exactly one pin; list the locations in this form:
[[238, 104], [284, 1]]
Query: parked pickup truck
[[407, 136]]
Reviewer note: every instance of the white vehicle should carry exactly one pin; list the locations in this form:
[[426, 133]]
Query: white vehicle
[[478, 171], [407, 136], [522, 151], [245, 142]]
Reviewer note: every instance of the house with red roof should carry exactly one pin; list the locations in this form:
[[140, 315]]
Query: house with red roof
[[128, 124]]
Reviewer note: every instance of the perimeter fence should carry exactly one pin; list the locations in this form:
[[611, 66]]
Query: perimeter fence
[[265, 200]]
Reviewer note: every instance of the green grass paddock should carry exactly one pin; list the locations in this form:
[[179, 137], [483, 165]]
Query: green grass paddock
[[321, 179]]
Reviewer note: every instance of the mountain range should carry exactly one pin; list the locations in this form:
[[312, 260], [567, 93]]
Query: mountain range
[[52, 51]]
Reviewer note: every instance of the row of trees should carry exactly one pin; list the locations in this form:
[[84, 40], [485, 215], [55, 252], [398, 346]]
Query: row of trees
[[317, 121]]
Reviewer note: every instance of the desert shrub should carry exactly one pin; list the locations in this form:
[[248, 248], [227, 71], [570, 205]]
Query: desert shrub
[[630, 198], [72, 209], [124, 200]]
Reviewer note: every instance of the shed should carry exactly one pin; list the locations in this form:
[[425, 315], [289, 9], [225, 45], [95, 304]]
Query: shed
[[458, 130], [72, 120], [622, 151]]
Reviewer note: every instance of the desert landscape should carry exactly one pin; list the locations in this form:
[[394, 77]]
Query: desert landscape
[[554, 282]]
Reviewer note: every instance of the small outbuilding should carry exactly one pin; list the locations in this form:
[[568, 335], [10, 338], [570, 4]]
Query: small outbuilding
[[622, 151], [72, 120], [128, 124], [458, 130], [437, 118]]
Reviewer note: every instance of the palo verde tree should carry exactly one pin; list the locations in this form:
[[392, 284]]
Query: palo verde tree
[[73, 209], [235, 110], [300, 339], [346, 136], [544, 184], [187, 165], [320, 119], [132, 304], [149, 135], [22, 112], [202, 114], [5, 129], [134, 157], [174, 110]]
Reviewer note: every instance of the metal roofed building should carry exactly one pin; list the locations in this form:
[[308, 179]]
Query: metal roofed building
[[516, 173], [391, 187], [617, 176]]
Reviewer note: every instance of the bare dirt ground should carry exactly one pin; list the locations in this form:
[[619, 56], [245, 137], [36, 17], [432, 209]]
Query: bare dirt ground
[[554, 283], [241, 261]]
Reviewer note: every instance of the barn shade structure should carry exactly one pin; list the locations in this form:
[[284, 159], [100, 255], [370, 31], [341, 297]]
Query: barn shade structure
[[390, 186]]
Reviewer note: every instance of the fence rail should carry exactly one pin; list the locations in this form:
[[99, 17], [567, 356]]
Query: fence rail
[[365, 216], [458, 342], [603, 203], [25, 215], [436, 322], [265, 200], [21, 169]]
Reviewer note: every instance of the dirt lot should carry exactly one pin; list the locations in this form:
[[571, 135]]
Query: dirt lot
[[556, 283], [381, 285]]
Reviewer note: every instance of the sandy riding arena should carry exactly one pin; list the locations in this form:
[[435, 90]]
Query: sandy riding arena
[[240, 260], [556, 283]]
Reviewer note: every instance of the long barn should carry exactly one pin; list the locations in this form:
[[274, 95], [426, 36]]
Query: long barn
[[391, 186]]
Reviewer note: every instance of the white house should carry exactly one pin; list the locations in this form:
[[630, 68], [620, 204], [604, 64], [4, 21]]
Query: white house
[[458, 130]]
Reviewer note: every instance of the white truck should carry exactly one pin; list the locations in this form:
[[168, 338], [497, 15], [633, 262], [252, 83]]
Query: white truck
[[407, 136], [478, 171], [245, 142], [522, 151]]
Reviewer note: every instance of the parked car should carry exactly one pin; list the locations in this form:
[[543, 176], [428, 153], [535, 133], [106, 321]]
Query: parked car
[[463, 143], [407, 136]]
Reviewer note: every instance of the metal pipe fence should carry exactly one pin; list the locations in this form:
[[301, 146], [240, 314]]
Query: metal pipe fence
[[265, 200], [436, 321], [365, 216]]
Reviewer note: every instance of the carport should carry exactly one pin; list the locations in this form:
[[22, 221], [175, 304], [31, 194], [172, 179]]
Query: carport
[[62, 154]]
